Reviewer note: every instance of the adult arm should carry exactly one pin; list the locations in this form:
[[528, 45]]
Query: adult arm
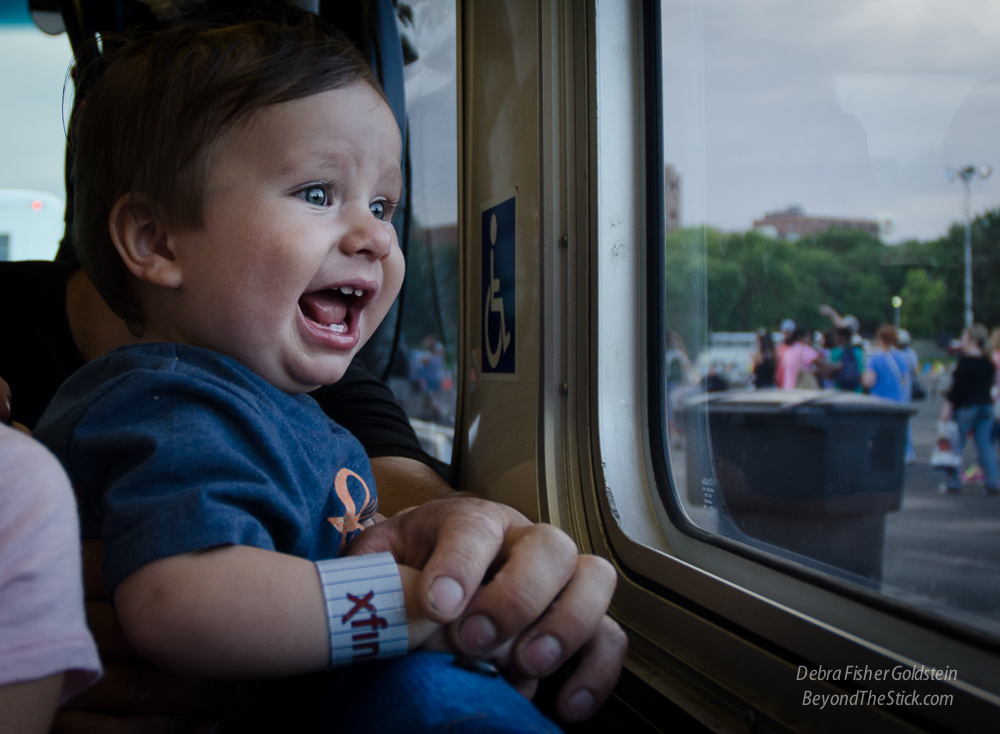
[[831, 313], [404, 482]]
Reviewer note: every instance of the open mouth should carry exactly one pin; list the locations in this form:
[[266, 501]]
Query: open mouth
[[335, 310]]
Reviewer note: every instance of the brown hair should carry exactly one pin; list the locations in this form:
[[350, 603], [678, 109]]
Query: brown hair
[[980, 335], [887, 335], [148, 123]]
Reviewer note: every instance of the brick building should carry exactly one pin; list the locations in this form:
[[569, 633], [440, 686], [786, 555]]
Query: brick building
[[792, 223]]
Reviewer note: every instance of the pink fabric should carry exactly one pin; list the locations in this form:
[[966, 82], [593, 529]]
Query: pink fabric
[[797, 357], [42, 626]]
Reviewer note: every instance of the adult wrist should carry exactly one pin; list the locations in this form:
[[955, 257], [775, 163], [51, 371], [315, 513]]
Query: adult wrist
[[365, 607]]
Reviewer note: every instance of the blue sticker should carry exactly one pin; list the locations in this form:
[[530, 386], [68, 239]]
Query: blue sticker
[[499, 288]]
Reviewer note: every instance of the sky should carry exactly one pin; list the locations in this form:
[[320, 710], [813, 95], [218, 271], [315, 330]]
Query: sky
[[854, 108], [432, 106]]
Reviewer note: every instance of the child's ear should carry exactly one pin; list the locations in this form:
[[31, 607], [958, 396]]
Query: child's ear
[[141, 238]]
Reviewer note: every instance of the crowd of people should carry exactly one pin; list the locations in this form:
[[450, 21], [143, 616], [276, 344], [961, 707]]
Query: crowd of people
[[890, 369]]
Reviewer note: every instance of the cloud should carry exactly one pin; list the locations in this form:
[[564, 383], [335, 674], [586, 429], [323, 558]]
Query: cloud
[[775, 102]]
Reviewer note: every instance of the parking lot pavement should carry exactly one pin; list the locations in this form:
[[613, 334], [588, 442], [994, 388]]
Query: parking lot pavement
[[942, 552]]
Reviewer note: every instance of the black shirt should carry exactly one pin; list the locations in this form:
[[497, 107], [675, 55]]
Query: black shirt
[[37, 353], [763, 373], [971, 382]]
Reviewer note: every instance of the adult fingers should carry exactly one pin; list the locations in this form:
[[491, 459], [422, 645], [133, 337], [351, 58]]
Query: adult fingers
[[4, 401], [539, 561], [600, 665], [572, 620], [471, 535], [454, 542]]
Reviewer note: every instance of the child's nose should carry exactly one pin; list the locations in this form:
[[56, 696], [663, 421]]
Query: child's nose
[[367, 235]]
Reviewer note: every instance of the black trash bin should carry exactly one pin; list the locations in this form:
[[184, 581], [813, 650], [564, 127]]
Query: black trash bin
[[810, 471]]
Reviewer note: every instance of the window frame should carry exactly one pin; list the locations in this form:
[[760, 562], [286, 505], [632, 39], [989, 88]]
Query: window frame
[[698, 605]]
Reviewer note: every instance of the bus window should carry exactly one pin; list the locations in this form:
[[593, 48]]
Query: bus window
[[813, 265], [422, 371], [757, 165], [32, 139]]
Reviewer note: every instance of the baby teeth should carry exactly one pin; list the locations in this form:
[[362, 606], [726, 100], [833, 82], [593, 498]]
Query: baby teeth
[[348, 291], [335, 328]]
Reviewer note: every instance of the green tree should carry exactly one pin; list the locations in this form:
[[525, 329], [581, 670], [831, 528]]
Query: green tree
[[740, 281], [923, 298]]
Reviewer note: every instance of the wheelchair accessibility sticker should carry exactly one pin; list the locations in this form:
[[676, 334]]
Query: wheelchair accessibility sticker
[[499, 294]]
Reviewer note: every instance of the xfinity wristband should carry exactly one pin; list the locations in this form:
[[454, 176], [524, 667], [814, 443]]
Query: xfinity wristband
[[364, 607]]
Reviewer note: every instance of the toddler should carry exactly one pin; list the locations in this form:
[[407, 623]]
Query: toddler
[[235, 189]]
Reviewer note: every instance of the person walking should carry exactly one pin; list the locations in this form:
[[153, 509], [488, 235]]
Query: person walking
[[764, 361], [969, 403], [800, 362], [847, 362], [787, 329], [888, 375]]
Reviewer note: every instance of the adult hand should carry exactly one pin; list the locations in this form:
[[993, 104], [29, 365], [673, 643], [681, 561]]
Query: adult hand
[[133, 696], [5, 407], [4, 401], [542, 603]]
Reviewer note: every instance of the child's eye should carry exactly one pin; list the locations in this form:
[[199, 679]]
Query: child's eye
[[379, 209], [315, 195]]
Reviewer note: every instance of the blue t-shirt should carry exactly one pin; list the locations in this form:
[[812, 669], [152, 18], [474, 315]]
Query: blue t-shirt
[[173, 449], [893, 381]]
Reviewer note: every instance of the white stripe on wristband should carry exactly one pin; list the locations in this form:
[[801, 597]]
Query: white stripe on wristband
[[364, 607]]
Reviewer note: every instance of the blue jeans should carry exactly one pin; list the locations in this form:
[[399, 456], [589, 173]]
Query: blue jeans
[[425, 692], [979, 420], [420, 693]]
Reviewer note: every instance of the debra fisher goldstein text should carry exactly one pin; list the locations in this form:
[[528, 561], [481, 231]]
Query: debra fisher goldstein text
[[864, 672]]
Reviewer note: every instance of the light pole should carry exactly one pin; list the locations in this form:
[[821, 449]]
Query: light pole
[[897, 303], [967, 175]]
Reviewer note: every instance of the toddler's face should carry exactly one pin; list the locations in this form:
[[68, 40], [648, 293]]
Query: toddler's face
[[297, 262]]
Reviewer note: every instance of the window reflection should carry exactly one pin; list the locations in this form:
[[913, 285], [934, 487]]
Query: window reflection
[[423, 371], [32, 140], [815, 284]]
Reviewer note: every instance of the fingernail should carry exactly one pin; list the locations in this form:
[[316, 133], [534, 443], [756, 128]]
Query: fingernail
[[446, 595], [541, 654], [579, 705], [477, 633]]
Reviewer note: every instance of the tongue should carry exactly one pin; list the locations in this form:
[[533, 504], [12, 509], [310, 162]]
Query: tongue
[[324, 307]]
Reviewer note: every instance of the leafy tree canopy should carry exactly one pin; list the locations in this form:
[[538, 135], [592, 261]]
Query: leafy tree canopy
[[746, 280]]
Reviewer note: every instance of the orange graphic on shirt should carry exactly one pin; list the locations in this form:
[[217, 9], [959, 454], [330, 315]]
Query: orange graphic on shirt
[[352, 518]]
